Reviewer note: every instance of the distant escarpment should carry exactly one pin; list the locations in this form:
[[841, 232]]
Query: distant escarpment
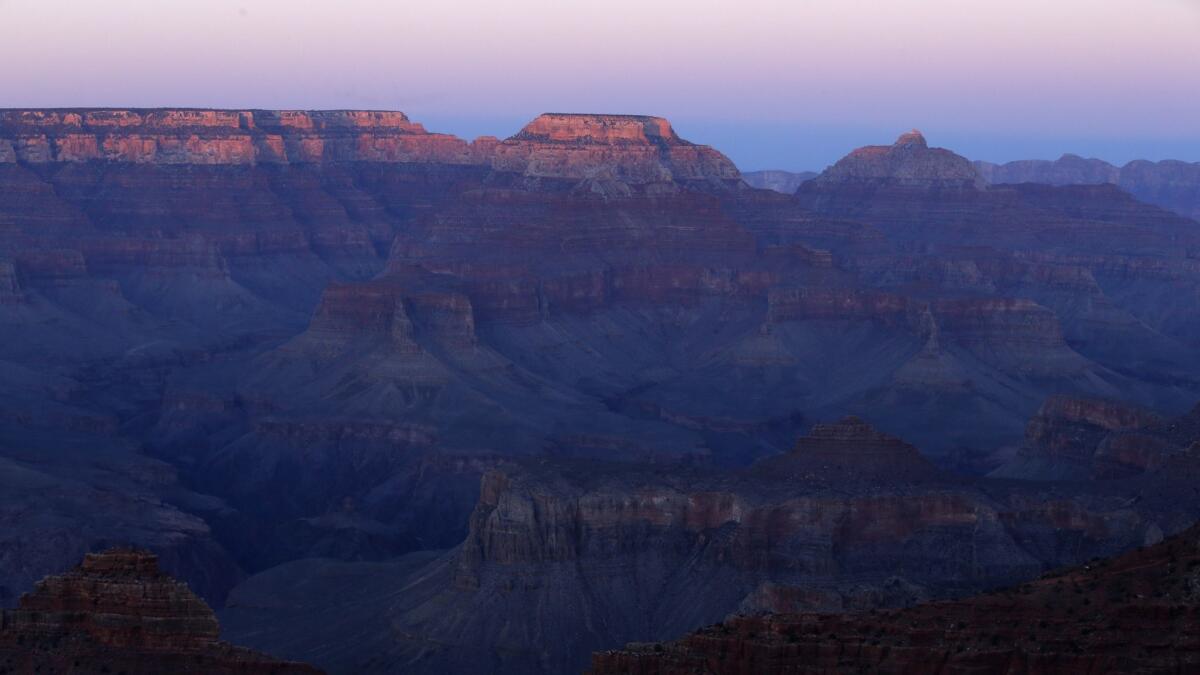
[[564, 557], [116, 612], [625, 148], [1136, 613], [909, 162], [215, 137], [779, 181], [1171, 184]]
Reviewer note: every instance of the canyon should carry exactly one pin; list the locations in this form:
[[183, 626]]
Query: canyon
[[565, 558], [309, 357]]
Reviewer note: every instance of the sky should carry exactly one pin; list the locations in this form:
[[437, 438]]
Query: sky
[[790, 84]]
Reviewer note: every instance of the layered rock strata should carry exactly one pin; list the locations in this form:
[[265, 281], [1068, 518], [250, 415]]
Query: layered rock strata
[[1133, 614], [116, 612], [563, 556]]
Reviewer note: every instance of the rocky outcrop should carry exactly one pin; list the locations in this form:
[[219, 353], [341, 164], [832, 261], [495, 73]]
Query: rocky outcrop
[[222, 137], [909, 162], [623, 148], [116, 612], [608, 150], [562, 556], [1170, 184], [1074, 438], [1133, 614]]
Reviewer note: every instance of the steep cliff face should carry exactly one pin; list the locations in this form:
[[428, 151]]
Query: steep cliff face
[[1077, 439], [116, 612], [622, 148], [563, 556], [1133, 614], [1170, 184]]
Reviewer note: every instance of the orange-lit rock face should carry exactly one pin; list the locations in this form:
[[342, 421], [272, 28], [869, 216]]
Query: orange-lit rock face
[[218, 137], [629, 148], [598, 129]]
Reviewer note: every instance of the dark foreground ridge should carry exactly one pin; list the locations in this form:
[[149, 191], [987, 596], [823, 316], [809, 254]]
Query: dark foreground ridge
[[116, 612], [1138, 613]]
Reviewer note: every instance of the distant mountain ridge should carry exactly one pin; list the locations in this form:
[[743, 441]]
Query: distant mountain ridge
[[777, 180], [1171, 184], [1131, 614]]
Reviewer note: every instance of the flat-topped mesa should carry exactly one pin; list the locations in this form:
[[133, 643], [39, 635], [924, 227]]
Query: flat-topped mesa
[[202, 136], [599, 130], [909, 162], [117, 612], [86, 119], [634, 149]]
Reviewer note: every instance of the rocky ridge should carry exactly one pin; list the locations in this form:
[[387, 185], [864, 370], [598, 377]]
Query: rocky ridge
[[1086, 439], [1171, 184], [223, 137], [562, 556], [909, 162], [621, 148], [1136, 613], [116, 612]]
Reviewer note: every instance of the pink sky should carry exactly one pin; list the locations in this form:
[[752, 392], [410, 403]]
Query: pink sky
[[790, 83]]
